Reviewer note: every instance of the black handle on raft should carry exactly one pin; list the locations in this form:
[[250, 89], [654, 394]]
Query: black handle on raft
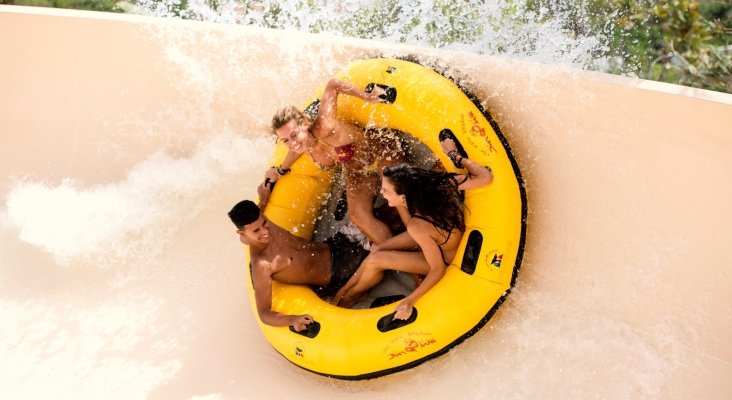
[[311, 330], [269, 182], [389, 97], [447, 134], [388, 322], [472, 251], [384, 300]]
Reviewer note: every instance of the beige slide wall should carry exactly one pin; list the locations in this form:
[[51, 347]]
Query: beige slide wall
[[625, 290]]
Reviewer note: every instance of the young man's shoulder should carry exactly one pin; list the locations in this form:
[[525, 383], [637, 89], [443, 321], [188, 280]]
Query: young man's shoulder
[[261, 265]]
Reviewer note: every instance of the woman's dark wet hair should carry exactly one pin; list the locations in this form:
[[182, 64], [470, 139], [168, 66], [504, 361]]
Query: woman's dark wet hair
[[432, 195], [244, 213]]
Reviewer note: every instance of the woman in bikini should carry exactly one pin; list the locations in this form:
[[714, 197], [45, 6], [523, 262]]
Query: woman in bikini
[[431, 206], [330, 141]]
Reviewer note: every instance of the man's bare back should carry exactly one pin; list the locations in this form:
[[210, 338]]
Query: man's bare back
[[290, 259]]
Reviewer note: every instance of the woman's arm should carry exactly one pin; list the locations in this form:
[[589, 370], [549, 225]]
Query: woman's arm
[[326, 119], [336, 87], [273, 174], [420, 231], [478, 175]]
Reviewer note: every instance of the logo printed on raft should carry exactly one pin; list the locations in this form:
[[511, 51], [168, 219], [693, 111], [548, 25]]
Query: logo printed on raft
[[477, 131], [494, 258], [299, 349], [410, 343]]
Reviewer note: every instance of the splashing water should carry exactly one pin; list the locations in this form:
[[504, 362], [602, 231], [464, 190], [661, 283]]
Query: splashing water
[[133, 218], [503, 27]]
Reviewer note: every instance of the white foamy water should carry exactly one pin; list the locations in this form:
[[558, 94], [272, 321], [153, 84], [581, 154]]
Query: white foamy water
[[134, 217], [503, 27], [79, 350]]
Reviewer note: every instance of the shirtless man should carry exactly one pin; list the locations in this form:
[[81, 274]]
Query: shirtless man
[[278, 255]]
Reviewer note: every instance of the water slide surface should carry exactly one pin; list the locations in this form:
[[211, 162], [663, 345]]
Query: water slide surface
[[126, 139]]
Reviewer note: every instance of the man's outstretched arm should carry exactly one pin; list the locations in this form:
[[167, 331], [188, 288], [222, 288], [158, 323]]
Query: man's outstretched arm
[[262, 281]]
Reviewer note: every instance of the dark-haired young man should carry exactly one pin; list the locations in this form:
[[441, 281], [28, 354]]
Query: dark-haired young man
[[278, 255]]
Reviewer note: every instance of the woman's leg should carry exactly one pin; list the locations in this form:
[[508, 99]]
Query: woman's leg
[[360, 195], [371, 271]]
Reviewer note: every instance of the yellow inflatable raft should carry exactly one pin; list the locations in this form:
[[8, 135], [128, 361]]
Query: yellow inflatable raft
[[366, 343]]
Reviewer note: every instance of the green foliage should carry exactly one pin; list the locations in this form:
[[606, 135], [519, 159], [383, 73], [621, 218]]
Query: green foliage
[[458, 21], [375, 21], [450, 20], [674, 41], [686, 42]]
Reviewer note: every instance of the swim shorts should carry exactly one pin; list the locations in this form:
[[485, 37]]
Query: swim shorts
[[345, 258]]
